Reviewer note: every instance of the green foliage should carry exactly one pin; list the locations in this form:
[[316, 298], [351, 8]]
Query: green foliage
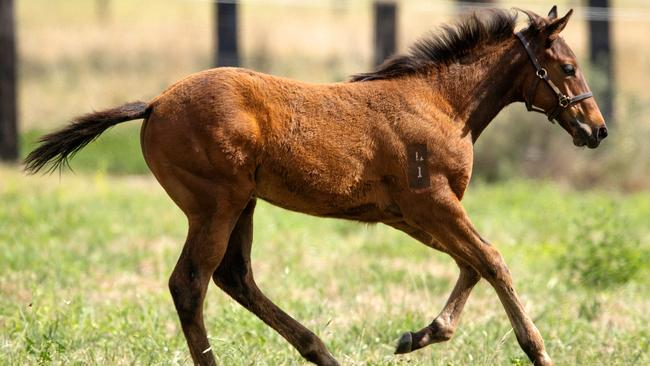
[[86, 258], [44, 346], [590, 309], [603, 252], [518, 361]]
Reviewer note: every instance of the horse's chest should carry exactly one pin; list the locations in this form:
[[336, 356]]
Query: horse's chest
[[458, 170], [448, 159]]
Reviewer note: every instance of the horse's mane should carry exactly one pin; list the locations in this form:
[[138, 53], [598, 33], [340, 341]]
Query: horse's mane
[[448, 45]]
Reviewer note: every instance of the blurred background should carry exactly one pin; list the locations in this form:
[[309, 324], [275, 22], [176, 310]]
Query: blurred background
[[76, 55], [84, 257]]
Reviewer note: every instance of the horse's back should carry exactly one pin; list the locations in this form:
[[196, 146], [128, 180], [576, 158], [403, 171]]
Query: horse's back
[[304, 144], [315, 148]]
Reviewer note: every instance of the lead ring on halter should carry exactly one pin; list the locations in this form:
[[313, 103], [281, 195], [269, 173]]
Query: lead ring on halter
[[563, 101]]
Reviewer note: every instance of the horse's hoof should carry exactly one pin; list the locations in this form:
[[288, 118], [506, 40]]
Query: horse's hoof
[[405, 343]]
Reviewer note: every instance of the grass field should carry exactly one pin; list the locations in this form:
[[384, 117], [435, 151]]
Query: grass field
[[85, 260]]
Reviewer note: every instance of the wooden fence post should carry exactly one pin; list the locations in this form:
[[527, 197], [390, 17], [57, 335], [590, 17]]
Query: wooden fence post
[[102, 9], [8, 117], [227, 50], [385, 30], [601, 57]]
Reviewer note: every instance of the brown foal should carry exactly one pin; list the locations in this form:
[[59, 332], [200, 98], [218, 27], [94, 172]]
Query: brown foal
[[394, 146]]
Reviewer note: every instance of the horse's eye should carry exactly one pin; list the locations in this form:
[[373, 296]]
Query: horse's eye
[[569, 69]]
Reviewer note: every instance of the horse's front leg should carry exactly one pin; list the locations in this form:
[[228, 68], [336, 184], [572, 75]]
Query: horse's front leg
[[442, 328], [446, 221]]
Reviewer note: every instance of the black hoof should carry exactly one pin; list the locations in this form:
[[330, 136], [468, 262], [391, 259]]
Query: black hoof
[[405, 343]]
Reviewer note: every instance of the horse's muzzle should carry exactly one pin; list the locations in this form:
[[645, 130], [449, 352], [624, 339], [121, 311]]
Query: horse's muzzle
[[585, 135]]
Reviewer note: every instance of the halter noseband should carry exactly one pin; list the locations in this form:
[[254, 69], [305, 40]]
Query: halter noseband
[[563, 101]]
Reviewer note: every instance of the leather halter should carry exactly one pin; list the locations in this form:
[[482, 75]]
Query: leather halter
[[563, 101]]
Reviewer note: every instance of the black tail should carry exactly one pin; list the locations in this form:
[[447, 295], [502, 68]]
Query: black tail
[[57, 147]]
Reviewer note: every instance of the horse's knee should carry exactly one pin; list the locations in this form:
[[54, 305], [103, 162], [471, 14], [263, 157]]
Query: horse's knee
[[494, 269], [495, 272]]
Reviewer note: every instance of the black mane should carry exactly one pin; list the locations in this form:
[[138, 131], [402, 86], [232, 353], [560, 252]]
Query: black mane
[[448, 45]]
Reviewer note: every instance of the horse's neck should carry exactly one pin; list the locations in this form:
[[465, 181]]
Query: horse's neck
[[479, 89]]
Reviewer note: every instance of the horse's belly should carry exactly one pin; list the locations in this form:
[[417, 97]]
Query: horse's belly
[[303, 193], [366, 200]]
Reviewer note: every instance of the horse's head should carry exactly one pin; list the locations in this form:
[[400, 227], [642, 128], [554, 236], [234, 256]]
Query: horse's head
[[555, 85]]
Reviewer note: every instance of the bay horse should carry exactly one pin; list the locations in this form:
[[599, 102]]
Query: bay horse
[[394, 145]]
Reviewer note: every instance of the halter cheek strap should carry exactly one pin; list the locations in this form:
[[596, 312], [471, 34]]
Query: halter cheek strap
[[563, 101]]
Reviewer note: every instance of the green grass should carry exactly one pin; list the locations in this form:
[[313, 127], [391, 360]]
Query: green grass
[[85, 260]]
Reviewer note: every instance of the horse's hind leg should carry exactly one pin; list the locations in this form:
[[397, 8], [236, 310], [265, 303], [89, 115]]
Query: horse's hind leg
[[212, 210], [235, 277], [203, 251]]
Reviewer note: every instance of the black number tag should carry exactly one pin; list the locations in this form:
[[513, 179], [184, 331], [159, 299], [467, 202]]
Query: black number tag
[[418, 169]]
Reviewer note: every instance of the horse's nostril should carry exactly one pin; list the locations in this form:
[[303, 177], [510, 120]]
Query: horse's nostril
[[602, 133]]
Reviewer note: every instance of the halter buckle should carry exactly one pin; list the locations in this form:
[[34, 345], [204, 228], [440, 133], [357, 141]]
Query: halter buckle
[[541, 73], [563, 100]]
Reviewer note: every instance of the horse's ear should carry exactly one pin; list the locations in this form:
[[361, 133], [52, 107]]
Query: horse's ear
[[552, 15], [534, 21], [556, 26]]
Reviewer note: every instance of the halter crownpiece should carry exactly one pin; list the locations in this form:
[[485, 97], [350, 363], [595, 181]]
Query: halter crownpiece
[[563, 101]]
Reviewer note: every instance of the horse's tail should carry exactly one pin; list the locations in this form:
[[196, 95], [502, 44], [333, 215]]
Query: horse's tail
[[57, 147]]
